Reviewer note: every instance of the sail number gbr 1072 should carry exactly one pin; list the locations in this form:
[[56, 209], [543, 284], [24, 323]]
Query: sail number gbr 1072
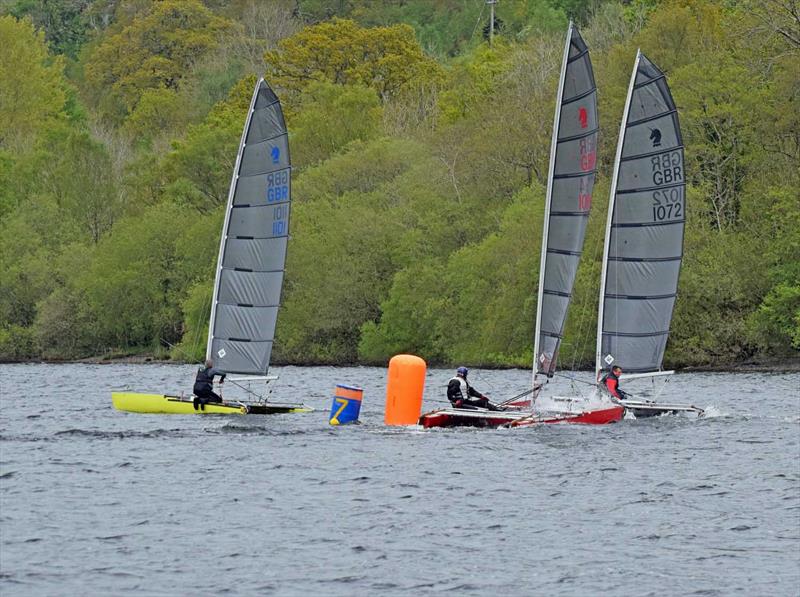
[[667, 169]]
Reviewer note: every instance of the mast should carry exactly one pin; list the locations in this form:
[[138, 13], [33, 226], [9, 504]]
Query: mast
[[548, 200], [224, 236], [604, 272]]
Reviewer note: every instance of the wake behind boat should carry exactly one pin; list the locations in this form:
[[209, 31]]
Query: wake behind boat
[[249, 277]]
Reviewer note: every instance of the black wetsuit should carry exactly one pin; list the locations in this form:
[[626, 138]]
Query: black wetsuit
[[462, 395], [204, 385]]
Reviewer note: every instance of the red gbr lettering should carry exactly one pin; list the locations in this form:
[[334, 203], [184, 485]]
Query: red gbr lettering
[[583, 116], [588, 154]]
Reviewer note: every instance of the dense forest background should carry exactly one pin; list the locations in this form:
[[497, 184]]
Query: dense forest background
[[420, 156]]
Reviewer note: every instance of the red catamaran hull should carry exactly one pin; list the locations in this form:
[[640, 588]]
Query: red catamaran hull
[[491, 419]]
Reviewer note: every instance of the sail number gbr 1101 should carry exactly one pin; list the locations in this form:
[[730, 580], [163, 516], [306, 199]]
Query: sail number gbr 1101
[[278, 193], [667, 169]]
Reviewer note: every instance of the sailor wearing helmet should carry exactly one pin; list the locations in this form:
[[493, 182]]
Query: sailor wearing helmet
[[462, 395]]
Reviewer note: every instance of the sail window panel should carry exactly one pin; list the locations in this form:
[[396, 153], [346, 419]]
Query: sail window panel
[[657, 206], [573, 194], [264, 96], [267, 221], [635, 354], [577, 156], [260, 289], [659, 134], [646, 72], [646, 242], [637, 316], [248, 358], [548, 354], [642, 278], [554, 312], [263, 189], [254, 324], [566, 233], [560, 272], [578, 80], [266, 156], [256, 254], [576, 45], [267, 123], [648, 101], [664, 169], [578, 117]]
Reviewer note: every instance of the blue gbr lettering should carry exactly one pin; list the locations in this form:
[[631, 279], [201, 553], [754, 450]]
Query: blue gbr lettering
[[280, 216], [277, 194], [277, 186]]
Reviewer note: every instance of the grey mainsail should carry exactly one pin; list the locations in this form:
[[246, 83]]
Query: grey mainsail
[[252, 255], [569, 196], [644, 233]]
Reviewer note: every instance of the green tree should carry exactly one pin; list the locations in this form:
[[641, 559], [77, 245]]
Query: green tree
[[32, 94], [331, 116], [154, 51], [386, 59]]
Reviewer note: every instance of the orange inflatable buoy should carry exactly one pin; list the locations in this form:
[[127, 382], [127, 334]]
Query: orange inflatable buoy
[[404, 390]]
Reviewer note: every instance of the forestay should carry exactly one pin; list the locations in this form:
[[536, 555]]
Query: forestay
[[252, 255], [569, 197], [644, 234]]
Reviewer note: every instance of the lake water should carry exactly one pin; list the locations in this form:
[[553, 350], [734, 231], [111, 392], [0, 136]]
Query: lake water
[[96, 501]]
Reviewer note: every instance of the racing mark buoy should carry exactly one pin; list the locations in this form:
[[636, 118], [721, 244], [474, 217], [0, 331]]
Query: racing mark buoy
[[404, 390], [346, 405]]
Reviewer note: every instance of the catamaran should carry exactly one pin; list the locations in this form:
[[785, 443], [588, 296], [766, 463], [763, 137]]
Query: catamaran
[[642, 250], [570, 181], [250, 271]]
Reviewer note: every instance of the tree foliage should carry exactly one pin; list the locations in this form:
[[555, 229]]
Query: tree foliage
[[32, 94], [386, 59], [154, 51], [420, 160]]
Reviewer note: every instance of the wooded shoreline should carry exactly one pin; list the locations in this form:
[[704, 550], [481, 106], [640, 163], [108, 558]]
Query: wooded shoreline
[[420, 156], [769, 366]]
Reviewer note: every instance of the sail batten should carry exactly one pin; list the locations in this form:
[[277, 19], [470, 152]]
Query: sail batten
[[570, 182], [645, 228], [252, 258]]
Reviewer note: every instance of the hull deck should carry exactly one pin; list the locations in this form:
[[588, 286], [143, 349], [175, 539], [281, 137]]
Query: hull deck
[[643, 410], [456, 417], [164, 404]]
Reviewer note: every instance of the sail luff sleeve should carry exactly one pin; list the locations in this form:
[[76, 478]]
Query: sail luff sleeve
[[571, 186], [255, 237], [647, 229]]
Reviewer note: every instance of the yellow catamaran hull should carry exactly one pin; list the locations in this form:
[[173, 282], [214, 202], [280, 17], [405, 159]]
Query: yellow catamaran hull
[[164, 404]]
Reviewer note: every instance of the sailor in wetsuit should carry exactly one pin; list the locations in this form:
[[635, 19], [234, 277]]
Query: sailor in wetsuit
[[610, 382], [462, 395], [204, 385]]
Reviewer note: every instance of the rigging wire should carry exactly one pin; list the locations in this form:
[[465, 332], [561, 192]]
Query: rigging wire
[[478, 22]]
